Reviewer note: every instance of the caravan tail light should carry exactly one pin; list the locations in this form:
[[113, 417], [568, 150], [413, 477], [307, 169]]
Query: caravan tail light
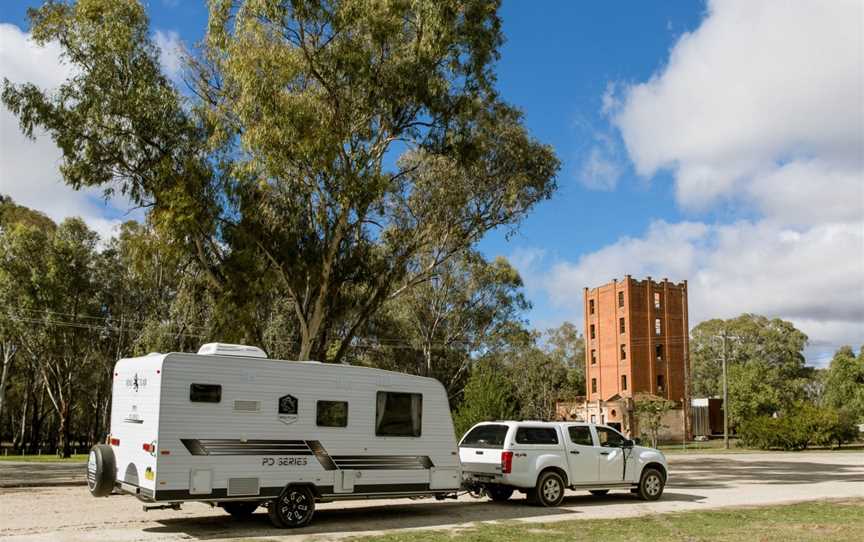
[[506, 462], [115, 441], [150, 447]]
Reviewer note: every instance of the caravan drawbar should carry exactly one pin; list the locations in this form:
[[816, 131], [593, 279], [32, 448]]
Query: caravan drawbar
[[230, 427]]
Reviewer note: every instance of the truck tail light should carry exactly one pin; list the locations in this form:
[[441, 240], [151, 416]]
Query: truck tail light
[[115, 441], [506, 462]]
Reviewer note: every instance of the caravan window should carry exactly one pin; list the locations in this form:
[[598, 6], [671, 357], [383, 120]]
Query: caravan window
[[398, 414], [205, 393], [332, 414]]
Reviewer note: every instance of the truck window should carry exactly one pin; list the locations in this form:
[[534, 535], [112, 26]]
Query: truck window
[[485, 436], [332, 414], [581, 435], [398, 414], [205, 393], [536, 435], [609, 438]]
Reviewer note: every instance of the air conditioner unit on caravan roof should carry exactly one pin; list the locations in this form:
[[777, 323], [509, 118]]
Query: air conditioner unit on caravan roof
[[225, 349]]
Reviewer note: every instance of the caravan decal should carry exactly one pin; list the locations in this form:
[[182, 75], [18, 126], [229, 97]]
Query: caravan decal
[[245, 447], [306, 447]]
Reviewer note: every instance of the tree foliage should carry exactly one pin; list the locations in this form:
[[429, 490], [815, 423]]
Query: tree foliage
[[765, 364], [844, 383], [799, 427], [440, 326], [489, 395], [649, 411]]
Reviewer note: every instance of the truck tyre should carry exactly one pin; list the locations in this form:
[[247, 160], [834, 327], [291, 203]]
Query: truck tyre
[[651, 485], [101, 470], [293, 508], [499, 493], [598, 492], [240, 509], [549, 490]]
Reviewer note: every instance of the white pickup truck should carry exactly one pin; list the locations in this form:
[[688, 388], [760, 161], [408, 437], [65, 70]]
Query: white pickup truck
[[541, 459]]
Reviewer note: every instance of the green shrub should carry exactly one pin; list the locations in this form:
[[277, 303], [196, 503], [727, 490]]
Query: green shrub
[[804, 425]]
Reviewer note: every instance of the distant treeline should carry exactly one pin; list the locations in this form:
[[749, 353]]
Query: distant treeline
[[73, 304]]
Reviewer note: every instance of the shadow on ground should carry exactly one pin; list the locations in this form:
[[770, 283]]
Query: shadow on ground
[[411, 515], [703, 473], [14, 473]]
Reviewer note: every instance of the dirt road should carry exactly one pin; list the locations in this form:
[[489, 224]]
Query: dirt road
[[698, 482]]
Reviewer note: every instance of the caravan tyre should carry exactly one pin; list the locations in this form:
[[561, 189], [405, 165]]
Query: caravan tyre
[[293, 508], [101, 470]]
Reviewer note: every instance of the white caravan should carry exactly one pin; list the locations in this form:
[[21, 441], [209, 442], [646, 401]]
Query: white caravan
[[232, 428]]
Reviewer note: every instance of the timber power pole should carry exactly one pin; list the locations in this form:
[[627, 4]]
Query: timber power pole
[[724, 338]]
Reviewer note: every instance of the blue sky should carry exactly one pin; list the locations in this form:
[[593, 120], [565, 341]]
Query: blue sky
[[719, 142]]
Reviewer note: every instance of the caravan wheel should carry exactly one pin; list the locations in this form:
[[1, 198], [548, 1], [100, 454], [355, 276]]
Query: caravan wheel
[[101, 470], [293, 508]]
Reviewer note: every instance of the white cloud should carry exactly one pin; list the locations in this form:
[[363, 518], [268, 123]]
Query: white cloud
[[756, 84], [29, 169], [813, 277], [600, 169], [171, 52], [760, 110]]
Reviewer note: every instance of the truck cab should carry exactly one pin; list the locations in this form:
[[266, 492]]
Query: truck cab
[[541, 459]]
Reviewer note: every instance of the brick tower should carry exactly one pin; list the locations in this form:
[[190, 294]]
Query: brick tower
[[636, 339]]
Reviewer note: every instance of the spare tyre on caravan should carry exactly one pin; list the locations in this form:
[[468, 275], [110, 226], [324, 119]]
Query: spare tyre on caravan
[[232, 428]]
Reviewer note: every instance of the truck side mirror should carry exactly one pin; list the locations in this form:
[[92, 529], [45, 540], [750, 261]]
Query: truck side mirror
[[627, 444]]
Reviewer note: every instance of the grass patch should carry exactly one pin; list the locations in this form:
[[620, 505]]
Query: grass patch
[[820, 520], [77, 458]]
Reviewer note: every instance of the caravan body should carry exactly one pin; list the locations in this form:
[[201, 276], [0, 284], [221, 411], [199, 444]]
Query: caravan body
[[223, 428]]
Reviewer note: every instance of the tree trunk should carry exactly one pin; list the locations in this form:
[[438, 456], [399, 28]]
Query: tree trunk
[[64, 430], [8, 355]]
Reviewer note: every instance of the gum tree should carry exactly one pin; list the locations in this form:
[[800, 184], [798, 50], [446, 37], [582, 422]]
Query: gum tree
[[321, 147]]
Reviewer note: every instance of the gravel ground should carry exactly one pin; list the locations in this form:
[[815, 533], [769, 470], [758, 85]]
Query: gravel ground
[[698, 482]]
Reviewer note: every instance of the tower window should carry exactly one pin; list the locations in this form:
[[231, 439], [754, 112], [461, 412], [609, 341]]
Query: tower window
[[658, 349], [624, 382], [590, 306], [661, 382], [656, 300], [620, 299], [593, 333], [593, 385], [621, 325], [593, 357], [658, 328], [623, 351]]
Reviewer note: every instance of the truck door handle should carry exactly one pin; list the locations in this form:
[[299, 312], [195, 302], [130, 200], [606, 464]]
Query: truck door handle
[[604, 453], [574, 452]]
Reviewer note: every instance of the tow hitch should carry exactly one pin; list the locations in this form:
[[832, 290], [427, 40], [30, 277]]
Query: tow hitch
[[172, 506]]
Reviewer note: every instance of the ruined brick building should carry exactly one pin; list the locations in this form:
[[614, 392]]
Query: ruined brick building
[[636, 343]]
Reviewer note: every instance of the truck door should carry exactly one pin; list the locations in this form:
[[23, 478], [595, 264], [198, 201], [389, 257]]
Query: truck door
[[581, 455], [610, 466]]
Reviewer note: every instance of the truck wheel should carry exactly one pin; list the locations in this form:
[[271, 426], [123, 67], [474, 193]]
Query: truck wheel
[[651, 485], [499, 493], [598, 492], [240, 509], [101, 470], [549, 490], [293, 508]]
